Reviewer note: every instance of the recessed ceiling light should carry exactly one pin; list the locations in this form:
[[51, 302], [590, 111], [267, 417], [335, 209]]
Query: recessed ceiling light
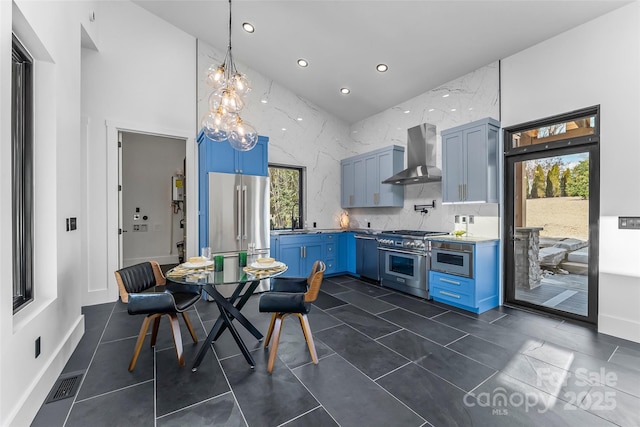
[[431, 109], [407, 111], [299, 119], [453, 109], [345, 91], [382, 67], [284, 128], [249, 28], [264, 101], [303, 62], [470, 108], [445, 95]]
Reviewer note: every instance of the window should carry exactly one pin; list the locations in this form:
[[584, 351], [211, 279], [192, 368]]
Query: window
[[574, 126], [286, 197], [22, 174]]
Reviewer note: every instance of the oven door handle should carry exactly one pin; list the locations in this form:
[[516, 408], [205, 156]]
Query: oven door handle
[[401, 252]]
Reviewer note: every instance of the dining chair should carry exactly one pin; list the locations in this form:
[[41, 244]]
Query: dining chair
[[146, 291], [291, 296]]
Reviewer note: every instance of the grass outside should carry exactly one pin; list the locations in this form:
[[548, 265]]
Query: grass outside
[[559, 217]]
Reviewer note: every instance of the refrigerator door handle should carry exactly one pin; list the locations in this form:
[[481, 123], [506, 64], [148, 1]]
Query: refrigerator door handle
[[244, 212], [238, 213]]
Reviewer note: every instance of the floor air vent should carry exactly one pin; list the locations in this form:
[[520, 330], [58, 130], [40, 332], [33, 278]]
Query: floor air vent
[[65, 388]]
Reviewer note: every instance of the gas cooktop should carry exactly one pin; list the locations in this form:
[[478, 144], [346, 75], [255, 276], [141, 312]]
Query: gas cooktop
[[413, 233]]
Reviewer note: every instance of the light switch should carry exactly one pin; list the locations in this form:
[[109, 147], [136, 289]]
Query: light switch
[[629, 222]]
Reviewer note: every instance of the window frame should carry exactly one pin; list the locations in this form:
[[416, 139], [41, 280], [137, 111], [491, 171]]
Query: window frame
[[22, 174], [301, 193]]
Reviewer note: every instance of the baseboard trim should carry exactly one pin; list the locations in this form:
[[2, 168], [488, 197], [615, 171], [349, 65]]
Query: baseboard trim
[[28, 406], [619, 327]]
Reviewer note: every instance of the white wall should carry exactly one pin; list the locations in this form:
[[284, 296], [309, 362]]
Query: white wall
[[596, 63], [148, 163], [141, 79], [52, 33], [140, 76]]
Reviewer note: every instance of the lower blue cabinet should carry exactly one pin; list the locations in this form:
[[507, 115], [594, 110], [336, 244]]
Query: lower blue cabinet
[[477, 294], [299, 252]]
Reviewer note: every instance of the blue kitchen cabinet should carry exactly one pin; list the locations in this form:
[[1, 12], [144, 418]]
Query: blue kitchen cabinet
[[221, 157], [470, 159], [476, 294], [361, 178], [342, 253], [274, 246], [299, 253], [347, 189]]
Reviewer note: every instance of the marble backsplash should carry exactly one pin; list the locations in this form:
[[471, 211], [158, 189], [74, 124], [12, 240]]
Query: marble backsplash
[[302, 134]]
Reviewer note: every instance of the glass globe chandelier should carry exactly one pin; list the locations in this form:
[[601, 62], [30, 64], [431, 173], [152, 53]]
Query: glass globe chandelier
[[222, 121]]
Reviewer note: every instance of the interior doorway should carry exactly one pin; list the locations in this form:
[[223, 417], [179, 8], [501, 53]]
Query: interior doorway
[[551, 215], [152, 198]]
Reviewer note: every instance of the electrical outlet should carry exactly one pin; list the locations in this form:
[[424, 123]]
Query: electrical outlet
[[136, 227], [73, 223], [38, 347], [629, 222]]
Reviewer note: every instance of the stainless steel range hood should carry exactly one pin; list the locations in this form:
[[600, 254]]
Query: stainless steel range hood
[[421, 158]]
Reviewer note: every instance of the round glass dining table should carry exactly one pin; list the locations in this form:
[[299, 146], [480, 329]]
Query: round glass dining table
[[230, 289]]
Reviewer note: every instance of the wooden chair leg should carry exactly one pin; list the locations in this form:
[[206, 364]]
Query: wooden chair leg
[[270, 331], [306, 330], [187, 322], [276, 339], [140, 341], [177, 337], [154, 331]]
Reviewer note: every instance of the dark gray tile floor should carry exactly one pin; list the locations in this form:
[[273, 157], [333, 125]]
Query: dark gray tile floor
[[386, 359]]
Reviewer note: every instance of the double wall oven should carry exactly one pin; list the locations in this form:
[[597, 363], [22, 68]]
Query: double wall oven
[[404, 260]]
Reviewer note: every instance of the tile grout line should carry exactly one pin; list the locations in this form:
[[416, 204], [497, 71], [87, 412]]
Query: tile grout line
[[93, 355], [303, 414], [219, 361], [193, 405], [501, 317]]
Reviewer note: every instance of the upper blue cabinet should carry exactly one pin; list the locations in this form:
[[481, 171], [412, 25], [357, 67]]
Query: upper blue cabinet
[[221, 157], [362, 176], [470, 159]]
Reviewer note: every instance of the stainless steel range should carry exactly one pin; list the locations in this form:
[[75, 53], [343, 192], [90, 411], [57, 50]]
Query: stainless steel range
[[405, 258]]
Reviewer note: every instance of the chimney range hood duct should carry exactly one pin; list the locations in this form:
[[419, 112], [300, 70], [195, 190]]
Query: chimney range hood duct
[[421, 158]]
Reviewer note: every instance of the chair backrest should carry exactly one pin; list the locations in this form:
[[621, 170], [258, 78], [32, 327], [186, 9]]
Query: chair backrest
[[139, 278], [314, 281]]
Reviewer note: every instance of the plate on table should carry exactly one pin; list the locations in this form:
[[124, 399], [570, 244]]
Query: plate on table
[[197, 264], [261, 266]]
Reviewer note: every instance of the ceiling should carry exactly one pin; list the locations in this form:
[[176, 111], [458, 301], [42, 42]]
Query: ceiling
[[425, 43]]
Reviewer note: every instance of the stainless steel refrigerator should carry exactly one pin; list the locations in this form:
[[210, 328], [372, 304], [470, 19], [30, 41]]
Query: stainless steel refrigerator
[[238, 215], [238, 212]]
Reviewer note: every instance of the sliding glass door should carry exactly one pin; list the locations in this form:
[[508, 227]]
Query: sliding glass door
[[551, 215]]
